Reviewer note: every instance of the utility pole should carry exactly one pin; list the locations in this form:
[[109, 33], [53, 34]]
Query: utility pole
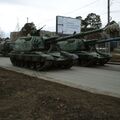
[[108, 5]]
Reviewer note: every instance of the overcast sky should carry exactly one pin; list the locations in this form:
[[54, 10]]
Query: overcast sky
[[43, 12]]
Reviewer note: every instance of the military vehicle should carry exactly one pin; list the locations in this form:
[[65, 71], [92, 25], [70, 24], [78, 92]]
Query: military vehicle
[[6, 47], [40, 53], [86, 50]]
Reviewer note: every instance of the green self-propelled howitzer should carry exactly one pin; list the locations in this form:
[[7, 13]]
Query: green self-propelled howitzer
[[6, 47], [40, 53], [88, 55]]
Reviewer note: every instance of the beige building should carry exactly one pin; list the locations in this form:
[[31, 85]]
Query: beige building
[[15, 35]]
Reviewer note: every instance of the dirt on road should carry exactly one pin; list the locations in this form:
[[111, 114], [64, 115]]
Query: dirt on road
[[28, 98]]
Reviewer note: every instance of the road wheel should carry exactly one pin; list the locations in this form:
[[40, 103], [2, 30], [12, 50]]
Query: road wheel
[[45, 65]]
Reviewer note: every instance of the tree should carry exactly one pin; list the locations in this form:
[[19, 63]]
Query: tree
[[28, 28], [91, 22], [113, 29], [2, 34]]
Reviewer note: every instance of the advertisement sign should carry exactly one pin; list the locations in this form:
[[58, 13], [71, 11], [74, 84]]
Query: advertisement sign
[[67, 25]]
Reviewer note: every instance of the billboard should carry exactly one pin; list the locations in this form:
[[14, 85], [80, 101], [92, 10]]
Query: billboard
[[67, 25]]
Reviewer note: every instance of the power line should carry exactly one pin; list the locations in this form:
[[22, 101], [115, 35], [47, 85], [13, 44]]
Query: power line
[[113, 2], [113, 11], [87, 5]]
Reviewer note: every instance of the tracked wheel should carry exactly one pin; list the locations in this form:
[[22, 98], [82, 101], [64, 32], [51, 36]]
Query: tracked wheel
[[103, 62], [45, 65], [31, 65], [67, 65], [87, 63], [83, 63], [13, 61]]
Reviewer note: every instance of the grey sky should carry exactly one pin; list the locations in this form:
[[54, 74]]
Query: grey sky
[[43, 12]]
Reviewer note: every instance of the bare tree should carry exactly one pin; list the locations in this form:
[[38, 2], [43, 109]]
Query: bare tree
[[2, 34]]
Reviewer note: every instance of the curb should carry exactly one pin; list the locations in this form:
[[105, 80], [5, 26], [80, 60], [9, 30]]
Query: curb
[[114, 63]]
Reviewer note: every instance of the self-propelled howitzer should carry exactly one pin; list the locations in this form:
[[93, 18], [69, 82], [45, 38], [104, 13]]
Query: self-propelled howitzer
[[40, 53], [86, 50], [88, 55], [6, 47]]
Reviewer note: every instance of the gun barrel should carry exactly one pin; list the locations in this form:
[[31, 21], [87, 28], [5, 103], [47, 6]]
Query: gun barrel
[[51, 39], [79, 35], [108, 40], [94, 42]]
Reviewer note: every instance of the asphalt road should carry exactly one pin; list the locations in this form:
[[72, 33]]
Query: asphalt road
[[103, 80]]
